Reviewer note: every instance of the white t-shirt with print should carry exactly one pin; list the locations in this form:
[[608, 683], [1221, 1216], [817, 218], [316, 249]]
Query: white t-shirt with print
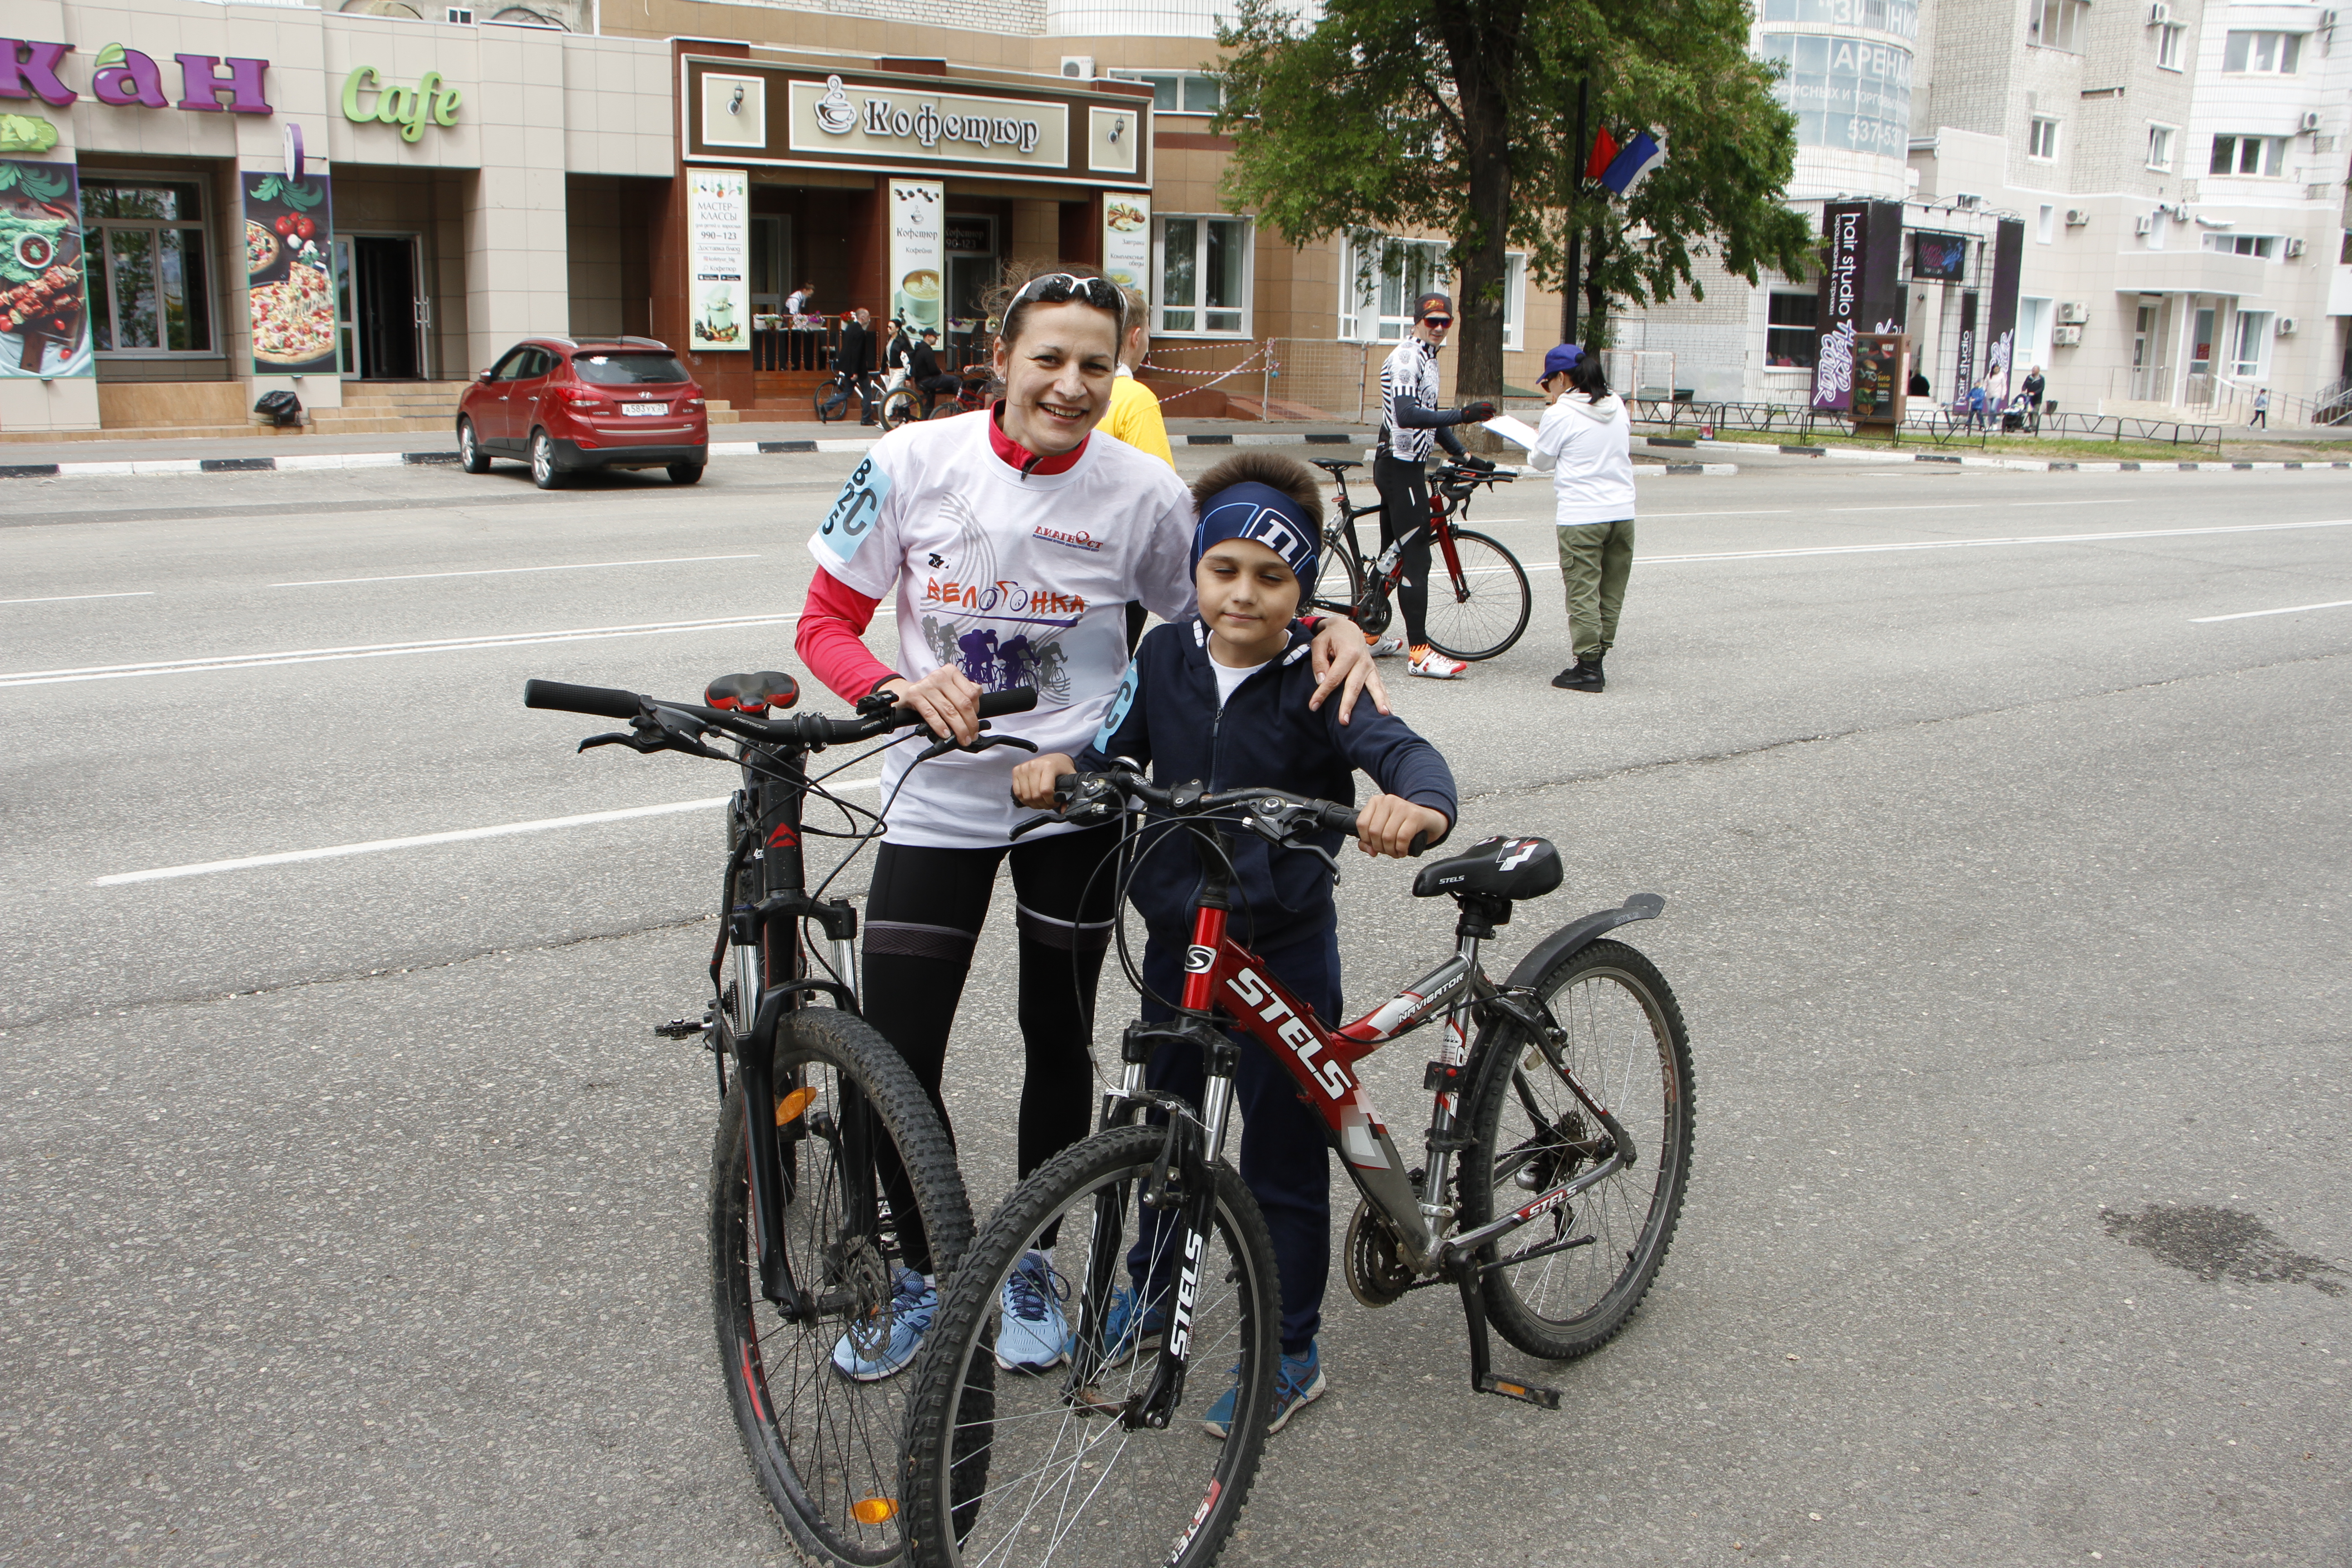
[[1017, 581]]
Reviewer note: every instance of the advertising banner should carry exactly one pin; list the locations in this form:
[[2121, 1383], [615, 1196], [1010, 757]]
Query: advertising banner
[[289, 288], [2001, 317], [1127, 242], [917, 251], [1878, 394], [43, 316], [1964, 363], [1845, 225], [719, 259]]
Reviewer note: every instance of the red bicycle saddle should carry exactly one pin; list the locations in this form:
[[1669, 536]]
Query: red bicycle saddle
[[753, 693]]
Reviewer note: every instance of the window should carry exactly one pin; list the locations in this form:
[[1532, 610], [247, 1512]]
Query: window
[[2045, 224], [2264, 155], [1792, 330], [2168, 44], [2159, 147], [2056, 24], [2262, 245], [1181, 92], [2263, 54], [1203, 265], [1847, 93], [2042, 139], [145, 250], [1515, 289], [1379, 279], [2253, 337]]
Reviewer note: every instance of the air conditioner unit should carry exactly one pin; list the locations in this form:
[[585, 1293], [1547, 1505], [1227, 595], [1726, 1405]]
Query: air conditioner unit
[[2076, 217], [461, 15], [1079, 66], [2160, 13], [2286, 326], [2310, 121], [2073, 312], [2065, 337], [2293, 248], [2147, 223]]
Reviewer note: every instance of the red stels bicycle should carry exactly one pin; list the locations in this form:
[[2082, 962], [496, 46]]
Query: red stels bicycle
[[1553, 1170]]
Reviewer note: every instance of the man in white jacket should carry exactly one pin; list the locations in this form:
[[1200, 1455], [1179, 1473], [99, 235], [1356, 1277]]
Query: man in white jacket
[[1586, 444]]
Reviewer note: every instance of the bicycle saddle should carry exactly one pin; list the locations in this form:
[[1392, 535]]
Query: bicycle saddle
[[753, 693], [1335, 467], [1506, 868]]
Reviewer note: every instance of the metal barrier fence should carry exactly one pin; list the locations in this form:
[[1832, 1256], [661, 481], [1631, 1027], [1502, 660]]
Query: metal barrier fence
[[1938, 425]]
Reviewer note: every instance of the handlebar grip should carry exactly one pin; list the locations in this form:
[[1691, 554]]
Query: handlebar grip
[[605, 701], [996, 704]]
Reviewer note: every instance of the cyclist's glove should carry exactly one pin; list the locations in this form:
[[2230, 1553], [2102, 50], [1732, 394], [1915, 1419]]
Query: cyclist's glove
[[1477, 464], [1477, 413]]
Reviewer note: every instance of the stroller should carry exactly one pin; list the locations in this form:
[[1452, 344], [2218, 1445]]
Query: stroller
[[2015, 416]]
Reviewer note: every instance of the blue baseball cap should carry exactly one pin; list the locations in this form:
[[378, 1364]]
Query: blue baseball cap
[[1262, 515], [1560, 357]]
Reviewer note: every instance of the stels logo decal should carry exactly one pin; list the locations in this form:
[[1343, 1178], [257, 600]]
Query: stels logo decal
[[1198, 959], [1292, 1031]]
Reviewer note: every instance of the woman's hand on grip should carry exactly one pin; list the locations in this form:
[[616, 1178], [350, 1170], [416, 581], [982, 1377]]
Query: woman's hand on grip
[[946, 699]]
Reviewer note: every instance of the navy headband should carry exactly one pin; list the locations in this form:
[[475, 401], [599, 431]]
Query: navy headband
[[1262, 515]]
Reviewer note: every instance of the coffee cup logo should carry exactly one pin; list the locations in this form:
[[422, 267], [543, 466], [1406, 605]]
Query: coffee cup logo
[[833, 112]]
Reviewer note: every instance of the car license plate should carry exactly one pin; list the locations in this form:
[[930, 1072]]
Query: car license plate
[[644, 410]]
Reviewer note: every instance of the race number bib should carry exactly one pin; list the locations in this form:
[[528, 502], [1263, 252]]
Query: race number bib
[[855, 512]]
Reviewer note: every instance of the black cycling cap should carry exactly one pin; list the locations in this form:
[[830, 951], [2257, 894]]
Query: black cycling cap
[[1433, 304]]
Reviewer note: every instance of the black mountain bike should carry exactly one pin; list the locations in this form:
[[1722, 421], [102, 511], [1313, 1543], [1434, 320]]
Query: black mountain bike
[[827, 1150], [1478, 597]]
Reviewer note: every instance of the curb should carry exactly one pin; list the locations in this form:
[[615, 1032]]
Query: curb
[[2027, 465]]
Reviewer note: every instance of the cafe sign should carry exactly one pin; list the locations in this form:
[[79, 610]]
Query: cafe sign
[[30, 68], [410, 108], [879, 121]]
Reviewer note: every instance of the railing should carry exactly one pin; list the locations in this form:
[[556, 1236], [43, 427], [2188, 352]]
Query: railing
[[2128, 427], [1938, 425]]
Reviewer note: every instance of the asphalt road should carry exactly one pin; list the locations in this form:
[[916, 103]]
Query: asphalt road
[[353, 1215]]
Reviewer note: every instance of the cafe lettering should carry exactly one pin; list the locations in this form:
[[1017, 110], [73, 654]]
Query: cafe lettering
[[406, 107], [29, 69]]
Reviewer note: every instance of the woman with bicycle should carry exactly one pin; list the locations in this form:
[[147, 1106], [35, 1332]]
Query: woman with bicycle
[[1586, 444], [1011, 546]]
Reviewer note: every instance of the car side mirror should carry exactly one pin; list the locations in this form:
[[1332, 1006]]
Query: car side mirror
[[481, 375]]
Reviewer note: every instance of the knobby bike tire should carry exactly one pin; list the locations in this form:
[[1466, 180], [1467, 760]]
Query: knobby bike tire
[[1627, 1046], [819, 1443], [1092, 1495], [1476, 618]]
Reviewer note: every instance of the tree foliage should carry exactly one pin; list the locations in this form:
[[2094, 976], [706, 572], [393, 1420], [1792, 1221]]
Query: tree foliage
[[1458, 116]]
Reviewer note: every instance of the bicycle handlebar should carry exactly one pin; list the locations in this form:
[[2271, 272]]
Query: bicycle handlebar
[[1281, 808], [801, 728]]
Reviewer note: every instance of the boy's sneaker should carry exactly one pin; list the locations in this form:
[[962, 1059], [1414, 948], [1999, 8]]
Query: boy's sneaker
[[910, 1311], [1130, 1329], [1034, 1335], [1388, 647], [1428, 661], [1300, 1382]]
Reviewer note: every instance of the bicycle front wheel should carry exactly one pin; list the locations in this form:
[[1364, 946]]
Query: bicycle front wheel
[[1338, 580], [1588, 1262], [901, 407], [1479, 610], [1023, 1464], [822, 1440]]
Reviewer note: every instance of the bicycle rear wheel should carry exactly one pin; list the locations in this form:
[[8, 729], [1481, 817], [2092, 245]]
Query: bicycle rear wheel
[[1626, 1045], [1338, 580], [825, 1447], [901, 407], [1005, 1466], [1481, 611], [832, 399]]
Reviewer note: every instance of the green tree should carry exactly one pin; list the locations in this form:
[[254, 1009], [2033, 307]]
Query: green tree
[[1459, 116]]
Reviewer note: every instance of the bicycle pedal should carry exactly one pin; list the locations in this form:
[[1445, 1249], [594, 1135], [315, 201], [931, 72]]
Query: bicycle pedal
[[682, 1029], [1545, 1398]]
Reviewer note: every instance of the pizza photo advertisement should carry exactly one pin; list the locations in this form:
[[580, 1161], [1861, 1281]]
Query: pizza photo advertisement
[[290, 276]]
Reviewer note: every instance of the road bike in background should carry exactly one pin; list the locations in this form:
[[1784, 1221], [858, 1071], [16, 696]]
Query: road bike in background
[[1478, 597]]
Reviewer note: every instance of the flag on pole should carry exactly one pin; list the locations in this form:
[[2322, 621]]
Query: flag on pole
[[1638, 157], [1604, 152]]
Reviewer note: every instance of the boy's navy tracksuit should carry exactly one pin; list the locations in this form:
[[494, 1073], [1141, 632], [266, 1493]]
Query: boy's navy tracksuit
[[1168, 717]]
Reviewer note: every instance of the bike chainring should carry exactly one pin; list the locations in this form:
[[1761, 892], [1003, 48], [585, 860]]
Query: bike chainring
[[1377, 1274], [1373, 613]]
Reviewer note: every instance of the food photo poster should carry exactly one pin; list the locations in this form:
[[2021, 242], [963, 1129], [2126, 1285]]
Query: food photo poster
[[720, 259], [44, 313], [1127, 240], [289, 278]]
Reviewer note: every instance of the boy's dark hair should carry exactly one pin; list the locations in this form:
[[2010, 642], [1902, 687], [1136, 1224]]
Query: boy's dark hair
[[1272, 469]]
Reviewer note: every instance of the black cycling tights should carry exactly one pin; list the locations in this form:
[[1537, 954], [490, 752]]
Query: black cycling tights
[[923, 916], [1404, 504]]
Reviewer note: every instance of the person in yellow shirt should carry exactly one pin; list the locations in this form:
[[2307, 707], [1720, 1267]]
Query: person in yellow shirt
[[1134, 419]]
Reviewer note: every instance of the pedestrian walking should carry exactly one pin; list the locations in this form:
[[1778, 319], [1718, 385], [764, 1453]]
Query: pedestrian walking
[[2262, 409], [2033, 389], [856, 363], [1979, 416], [1920, 385], [1586, 444]]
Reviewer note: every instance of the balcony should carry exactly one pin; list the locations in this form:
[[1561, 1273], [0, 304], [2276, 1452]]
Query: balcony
[[2190, 272]]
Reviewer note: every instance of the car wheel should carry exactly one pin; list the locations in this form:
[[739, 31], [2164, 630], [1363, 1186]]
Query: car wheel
[[470, 456], [685, 473], [543, 471]]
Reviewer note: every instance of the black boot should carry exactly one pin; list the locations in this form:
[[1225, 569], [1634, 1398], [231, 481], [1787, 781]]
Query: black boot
[[1584, 675]]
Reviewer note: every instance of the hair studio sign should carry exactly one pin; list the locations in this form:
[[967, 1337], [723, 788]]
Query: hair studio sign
[[31, 67]]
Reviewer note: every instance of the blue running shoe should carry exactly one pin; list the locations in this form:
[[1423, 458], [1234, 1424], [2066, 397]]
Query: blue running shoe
[[1300, 1382], [911, 1311], [1034, 1335], [1128, 1330]]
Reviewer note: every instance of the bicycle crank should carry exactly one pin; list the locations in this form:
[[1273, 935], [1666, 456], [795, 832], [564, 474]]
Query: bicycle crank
[[1377, 1273], [1371, 614]]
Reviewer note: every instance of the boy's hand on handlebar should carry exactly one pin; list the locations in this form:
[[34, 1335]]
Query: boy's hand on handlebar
[[947, 701], [1388, 824], [1033, 781], [1343, 663]]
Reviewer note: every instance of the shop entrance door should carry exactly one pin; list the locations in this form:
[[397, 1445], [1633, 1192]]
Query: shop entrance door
[[379, 296]]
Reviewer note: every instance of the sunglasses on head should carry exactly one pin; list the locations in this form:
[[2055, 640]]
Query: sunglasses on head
[[1054, 288]]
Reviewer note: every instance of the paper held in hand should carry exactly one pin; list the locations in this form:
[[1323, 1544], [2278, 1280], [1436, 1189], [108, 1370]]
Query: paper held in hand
[[1515, 431]]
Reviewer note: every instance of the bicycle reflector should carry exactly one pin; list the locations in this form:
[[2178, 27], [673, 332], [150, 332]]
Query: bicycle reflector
[[788, 1108], [873, 1509]]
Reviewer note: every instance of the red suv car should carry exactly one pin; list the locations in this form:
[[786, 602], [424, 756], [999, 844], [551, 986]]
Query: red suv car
[[594, 402]]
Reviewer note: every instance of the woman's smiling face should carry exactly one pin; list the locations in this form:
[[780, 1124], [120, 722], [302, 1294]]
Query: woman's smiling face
[[1057, 374]]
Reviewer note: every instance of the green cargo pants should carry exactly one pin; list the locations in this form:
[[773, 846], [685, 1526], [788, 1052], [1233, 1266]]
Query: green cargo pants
[[1595, 559]]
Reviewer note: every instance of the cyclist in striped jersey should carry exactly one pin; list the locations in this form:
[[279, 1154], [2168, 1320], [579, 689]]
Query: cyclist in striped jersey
[[1411, 423]]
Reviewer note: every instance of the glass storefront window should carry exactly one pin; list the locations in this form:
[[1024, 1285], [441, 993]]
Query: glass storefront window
[[1380, 278], [1204, 275], [150, 289], [1792, 333], [1900, 17]]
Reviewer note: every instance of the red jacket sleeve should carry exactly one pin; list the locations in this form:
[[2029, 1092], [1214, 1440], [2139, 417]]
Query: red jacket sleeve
[[830, 640]]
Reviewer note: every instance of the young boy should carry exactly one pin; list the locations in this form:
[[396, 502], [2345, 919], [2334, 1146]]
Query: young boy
[[1221, 697]]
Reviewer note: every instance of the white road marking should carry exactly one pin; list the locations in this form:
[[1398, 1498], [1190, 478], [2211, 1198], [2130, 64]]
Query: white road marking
[[421, 840], [1769, 511], [512, 571], [2250, 615], [1979, 544], [378, 650], [1938, 506], [65, 598]]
